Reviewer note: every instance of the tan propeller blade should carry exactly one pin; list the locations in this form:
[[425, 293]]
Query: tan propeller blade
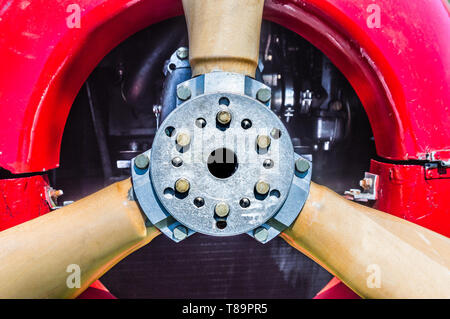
[[374, 253], [39, 258]]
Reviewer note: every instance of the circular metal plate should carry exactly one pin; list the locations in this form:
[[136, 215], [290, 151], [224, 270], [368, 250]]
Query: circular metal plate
[[212, 189]]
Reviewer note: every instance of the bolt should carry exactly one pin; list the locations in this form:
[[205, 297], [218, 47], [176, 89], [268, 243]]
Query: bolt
[[177, 162], [244, 202], [262, 187], [246, 124], [183, 139], [182, 53], [199, 201], [302, 165], [263, 95], [261, 234], [183, 92], [263, 141], [223, 117], [222, 209], [200, 122], [182, 185], [275, 133], [180, 232], [141, 161], [268, 163]]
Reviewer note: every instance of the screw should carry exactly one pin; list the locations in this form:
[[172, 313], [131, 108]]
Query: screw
[[177, 162], [336, 106], [182, 53], [244, 202], [263, 141], [183, 139], [275, 133], [199, 201], [180, 232], [246, 124], [141, 161], [200, 122], [262, 187], [182, 185], [183, 92], [268, 163], [222, 209], [302, 165], [263, 95], [223, 117], [261, 234]]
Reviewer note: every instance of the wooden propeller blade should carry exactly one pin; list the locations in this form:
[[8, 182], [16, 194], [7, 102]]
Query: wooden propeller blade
[[94, 233], [376, 254], [224, 35]]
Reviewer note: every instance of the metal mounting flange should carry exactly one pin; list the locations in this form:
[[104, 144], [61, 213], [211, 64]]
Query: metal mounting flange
[[222, 163]]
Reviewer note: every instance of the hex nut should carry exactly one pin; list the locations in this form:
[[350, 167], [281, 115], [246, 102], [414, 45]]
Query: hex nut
[[222, 209], [262, 187], [183, 92], [180, 232], [302, 165], [263, 141], [183, 139], [263, 95], [182, 185], [141, 161], [261, 234], [182, 53], [223, 117]]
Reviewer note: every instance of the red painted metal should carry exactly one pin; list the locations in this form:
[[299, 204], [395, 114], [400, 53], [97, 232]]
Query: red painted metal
[[22, 199], [404, 192], [405, 98], [400, 72]]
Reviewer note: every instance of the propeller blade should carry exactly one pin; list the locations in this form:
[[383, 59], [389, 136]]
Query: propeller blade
[[376, 254], [42, 257], [224, 35]]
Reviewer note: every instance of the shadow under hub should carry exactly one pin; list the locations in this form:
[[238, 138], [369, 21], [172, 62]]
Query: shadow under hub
[[221, 164]]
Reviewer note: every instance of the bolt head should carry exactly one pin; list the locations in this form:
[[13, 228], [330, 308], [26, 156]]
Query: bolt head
[[261, 234], [268, 163], [224, 117], [180, 232], [182, 53], [263, 141], [263, 95], [177, 161], [141, 161], [183, 139], [262, 187], [183, 92], [222, 209], [182, 185], [199, 201], [302, 165], [246, 124], [244, 202]]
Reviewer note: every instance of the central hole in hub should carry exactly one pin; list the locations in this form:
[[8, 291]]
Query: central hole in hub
[[222, 163]]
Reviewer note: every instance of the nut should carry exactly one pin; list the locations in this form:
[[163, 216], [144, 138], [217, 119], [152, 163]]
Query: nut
[[183, 92], [261, 234], [222, 209], [262, 187], [224, 117], [183, 139], [182, 53], [180, 232], [182, 185], [263, 95], [141, 161], [263, 141], [302, 165]]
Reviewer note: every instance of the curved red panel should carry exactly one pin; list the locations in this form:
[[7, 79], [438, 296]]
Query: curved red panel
[[400, 70]]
